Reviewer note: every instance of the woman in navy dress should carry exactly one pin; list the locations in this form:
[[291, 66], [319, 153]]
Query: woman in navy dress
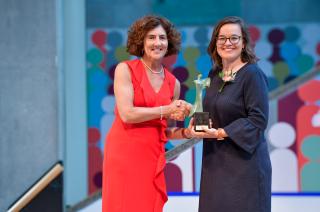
[[236, 168]]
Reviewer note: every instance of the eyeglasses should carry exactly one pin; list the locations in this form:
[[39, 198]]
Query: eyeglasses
[[234, 39]]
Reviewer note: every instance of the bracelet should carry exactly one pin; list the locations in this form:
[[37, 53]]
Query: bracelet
[[219, 134], [183, 133], [161, 115]]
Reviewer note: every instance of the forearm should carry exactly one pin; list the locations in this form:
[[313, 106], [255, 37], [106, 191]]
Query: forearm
[[178, 133], [142, 114]]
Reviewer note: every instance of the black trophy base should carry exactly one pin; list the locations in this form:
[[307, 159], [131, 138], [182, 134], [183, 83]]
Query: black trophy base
[[200, 121]]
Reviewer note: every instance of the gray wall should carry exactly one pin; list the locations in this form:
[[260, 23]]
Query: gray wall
[[28, 95]]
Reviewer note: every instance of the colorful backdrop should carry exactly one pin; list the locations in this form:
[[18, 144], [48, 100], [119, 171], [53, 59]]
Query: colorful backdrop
[[286, 51]]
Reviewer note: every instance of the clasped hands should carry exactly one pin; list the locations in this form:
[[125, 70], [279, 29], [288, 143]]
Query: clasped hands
[[179, 110]]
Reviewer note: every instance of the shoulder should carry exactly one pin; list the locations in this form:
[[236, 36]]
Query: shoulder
[[254, 75], [125, 68], [122, 67], [254, 71], [169, 75], [211, 74], [173, 82], [131, 63], [214, 72], [128, 65]]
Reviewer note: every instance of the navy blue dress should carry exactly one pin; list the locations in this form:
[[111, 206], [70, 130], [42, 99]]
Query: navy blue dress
[[236, 172]]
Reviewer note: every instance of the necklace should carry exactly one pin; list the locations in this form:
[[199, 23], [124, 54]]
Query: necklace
[[152, 71]]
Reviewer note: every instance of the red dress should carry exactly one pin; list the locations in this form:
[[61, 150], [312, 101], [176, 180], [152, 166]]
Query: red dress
[[133, 177]]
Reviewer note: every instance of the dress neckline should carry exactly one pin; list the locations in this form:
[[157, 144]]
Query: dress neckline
[[149, 83], [218, 69]]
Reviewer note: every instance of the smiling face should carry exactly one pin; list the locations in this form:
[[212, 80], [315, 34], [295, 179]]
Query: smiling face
[[155, 43], [230, 50]]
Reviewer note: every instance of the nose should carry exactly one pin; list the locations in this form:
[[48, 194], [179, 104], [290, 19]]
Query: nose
[[228, 42], [157, 41]]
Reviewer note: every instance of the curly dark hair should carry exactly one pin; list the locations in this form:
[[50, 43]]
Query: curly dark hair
[[141, 27], [247, 54]]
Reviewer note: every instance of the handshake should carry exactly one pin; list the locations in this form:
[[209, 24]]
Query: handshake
[[178, 110]]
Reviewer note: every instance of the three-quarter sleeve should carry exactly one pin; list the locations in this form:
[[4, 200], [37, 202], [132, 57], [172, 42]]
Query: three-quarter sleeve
[[247, 132]]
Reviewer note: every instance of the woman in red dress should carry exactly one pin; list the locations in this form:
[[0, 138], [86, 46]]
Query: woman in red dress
[[146, 95]]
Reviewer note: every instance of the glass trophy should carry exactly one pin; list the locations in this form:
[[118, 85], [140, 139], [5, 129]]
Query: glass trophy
[[201, 119]]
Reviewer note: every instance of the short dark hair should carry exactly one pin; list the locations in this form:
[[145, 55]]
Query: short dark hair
[[142, 26], [247, 54]]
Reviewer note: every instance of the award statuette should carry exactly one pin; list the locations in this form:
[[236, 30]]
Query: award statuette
[[201, 119]]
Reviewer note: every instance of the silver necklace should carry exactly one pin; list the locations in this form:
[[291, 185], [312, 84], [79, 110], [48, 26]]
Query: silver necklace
[[152, 71]]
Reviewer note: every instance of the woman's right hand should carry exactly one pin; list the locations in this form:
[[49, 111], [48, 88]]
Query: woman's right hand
[[179, 110]]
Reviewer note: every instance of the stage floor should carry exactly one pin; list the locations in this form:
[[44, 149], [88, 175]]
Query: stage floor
[[280, 203]]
